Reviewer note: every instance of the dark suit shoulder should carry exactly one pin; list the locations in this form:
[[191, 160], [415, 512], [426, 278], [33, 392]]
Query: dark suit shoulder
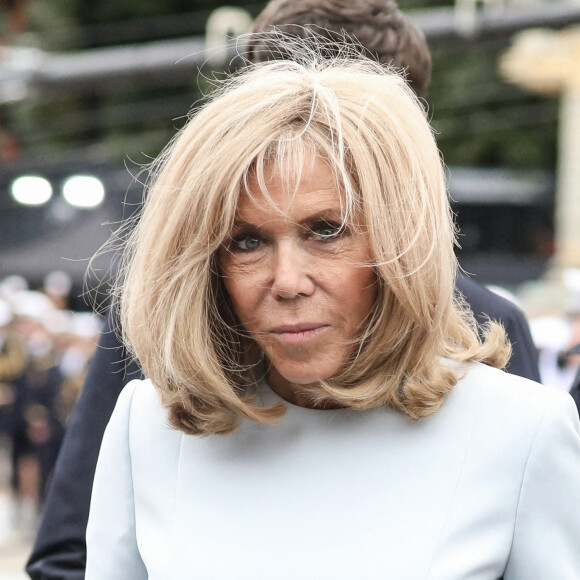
[[486, 304], [484, 301]]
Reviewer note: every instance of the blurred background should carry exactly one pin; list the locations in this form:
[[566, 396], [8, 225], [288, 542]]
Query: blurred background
[[91, 92]]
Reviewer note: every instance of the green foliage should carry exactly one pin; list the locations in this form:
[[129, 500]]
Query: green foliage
[[483, 120], [480, 119]]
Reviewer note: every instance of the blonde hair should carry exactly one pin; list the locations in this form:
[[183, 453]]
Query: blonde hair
[[370, 128]]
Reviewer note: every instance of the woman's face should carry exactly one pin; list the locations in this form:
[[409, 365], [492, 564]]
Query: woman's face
[[300, 282]]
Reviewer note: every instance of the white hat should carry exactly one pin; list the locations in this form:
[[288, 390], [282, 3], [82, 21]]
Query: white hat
[[550, 332], [12, 284], [31, 304], [5, 313], [58, 283]]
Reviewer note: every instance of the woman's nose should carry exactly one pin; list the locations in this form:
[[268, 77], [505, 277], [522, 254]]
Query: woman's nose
[[291, 277]]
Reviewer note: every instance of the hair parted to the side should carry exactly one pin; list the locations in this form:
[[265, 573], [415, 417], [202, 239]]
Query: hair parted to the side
[[386, 33], [370, 128]]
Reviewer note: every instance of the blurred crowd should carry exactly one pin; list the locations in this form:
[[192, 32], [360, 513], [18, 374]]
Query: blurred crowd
[[554, 319], [44, 352], [557, 334]]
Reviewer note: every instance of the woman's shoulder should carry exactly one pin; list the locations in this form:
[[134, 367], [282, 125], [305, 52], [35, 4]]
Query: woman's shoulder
[[477, 375], [140, 404], [512, 399], [140, 394], [506, 421]]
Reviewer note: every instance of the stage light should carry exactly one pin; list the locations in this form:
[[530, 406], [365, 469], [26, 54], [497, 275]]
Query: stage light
[[31, 190], [84, 191]]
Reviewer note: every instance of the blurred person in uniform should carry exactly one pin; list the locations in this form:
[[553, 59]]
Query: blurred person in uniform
[[553, 336], [38, 430], [57, 286], [557, 337], [75, 336], [12, 357], [571, 358], [390, 36], [572, 355], [575, 389], [76, 344], [12, 365]]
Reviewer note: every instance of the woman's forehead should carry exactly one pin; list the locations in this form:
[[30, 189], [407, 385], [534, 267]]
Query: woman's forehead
[[289, 193]]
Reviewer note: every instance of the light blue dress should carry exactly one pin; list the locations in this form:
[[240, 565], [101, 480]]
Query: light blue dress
[[487, 487]]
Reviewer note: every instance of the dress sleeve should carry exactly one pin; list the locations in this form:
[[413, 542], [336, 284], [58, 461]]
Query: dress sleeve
[[547, 526], [112, 550]]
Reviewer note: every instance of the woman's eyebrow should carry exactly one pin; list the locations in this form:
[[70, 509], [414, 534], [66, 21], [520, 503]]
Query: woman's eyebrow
[[325, 214]]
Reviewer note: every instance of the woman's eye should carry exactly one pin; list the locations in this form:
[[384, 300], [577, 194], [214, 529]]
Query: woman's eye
[[327, 230], [246, 242]]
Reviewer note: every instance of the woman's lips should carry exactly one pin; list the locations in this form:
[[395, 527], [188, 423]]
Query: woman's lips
[[298, 332]]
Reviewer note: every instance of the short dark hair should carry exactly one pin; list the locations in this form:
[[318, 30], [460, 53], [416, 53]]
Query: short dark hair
[[383, 31]]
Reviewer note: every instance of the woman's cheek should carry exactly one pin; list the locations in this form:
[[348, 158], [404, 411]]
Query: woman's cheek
[[245, 283]]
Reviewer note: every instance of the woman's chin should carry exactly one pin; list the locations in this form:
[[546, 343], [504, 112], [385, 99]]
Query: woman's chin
[[298, 374]]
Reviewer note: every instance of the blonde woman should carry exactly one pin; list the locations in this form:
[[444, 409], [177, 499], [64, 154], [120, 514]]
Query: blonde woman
[[317, 404]]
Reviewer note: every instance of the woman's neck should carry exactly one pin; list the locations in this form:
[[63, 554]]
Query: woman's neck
[[299, 395]]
